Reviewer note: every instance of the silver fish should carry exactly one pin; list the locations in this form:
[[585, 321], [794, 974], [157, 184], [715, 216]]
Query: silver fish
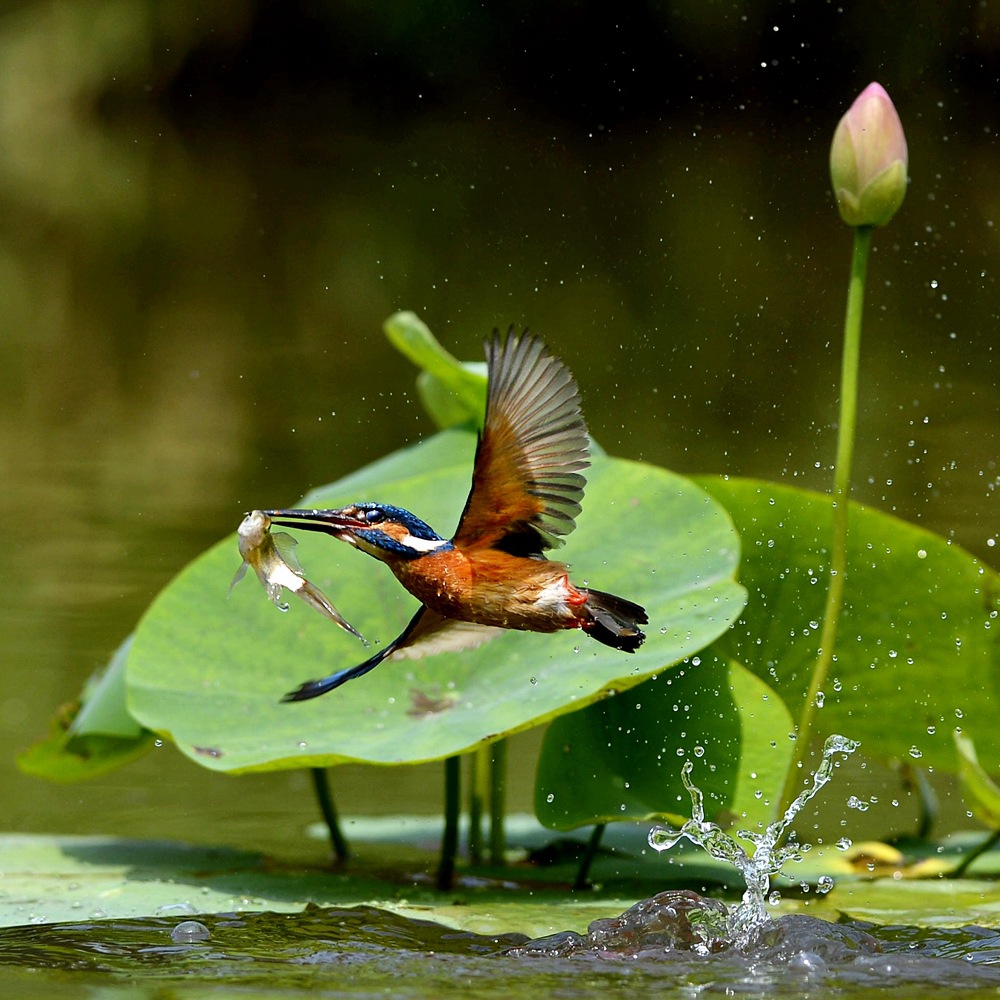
[[273, 559]]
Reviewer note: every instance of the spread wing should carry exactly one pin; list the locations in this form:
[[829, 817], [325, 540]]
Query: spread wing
[[429, 633], [526, 482]]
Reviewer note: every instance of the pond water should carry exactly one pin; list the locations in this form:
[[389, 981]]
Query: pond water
[[193, 288], [355, 951]]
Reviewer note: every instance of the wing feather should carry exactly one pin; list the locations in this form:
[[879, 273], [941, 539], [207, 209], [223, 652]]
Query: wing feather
[[434, 633], [527, 482]]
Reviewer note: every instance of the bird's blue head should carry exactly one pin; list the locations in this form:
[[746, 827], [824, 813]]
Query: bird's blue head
[[394, 531], [382, 530]]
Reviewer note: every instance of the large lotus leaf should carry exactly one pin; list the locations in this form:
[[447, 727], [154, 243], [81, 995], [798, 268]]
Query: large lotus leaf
[[918, 651], [209, 672], [620, 759]]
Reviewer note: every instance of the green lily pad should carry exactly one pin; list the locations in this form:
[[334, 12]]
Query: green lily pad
[[209, 673], [919, 642], [927, 903], [621, 759], [50, 879]]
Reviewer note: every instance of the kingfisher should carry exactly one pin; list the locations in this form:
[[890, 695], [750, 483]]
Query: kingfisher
[[492, 574]]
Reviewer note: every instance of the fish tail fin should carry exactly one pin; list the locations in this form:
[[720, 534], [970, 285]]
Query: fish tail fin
[[237, 576], [315, 598]]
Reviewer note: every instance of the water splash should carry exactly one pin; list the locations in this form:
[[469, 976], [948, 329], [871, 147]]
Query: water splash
[[747, 919]]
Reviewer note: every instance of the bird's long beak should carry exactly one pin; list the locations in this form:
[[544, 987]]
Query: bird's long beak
[[330, 521]]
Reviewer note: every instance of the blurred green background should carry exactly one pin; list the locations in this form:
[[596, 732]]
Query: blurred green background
[[206, 212]]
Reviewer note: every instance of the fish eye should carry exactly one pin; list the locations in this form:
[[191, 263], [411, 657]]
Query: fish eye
[[374, 515]]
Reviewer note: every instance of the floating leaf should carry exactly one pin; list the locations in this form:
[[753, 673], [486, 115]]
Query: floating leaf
[[209, 673], [919, 640], [621, 759], [53, 878], [936, 902]]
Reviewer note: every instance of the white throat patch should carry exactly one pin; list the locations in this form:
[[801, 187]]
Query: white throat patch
[[422, 544]]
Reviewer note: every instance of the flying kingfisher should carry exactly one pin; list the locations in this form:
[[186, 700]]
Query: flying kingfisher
[[527, 485]]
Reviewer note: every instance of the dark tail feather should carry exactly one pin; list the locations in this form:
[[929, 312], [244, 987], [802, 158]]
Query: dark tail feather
[[615, 621]]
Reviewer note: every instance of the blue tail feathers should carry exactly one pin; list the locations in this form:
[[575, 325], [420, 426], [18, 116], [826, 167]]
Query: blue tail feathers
[[313, 689]]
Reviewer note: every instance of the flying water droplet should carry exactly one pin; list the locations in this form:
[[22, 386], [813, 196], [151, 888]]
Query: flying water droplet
[[662, 838]]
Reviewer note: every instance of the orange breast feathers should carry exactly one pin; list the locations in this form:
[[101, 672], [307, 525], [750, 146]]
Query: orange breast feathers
[[491, 587]]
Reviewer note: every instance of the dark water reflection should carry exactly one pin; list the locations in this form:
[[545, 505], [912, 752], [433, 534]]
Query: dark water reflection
[[191, 327]]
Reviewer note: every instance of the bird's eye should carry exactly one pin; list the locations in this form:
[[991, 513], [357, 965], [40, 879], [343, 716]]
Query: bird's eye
[[374, 515]]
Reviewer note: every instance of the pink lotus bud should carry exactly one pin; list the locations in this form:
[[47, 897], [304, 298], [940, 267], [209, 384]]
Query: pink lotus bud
[[868, 160]]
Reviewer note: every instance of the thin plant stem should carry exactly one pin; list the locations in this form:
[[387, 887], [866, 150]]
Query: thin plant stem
[[321, 786], [841, 492], [990, 842], [479, 771], [590, 852], [452, 808], [498, 802]]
